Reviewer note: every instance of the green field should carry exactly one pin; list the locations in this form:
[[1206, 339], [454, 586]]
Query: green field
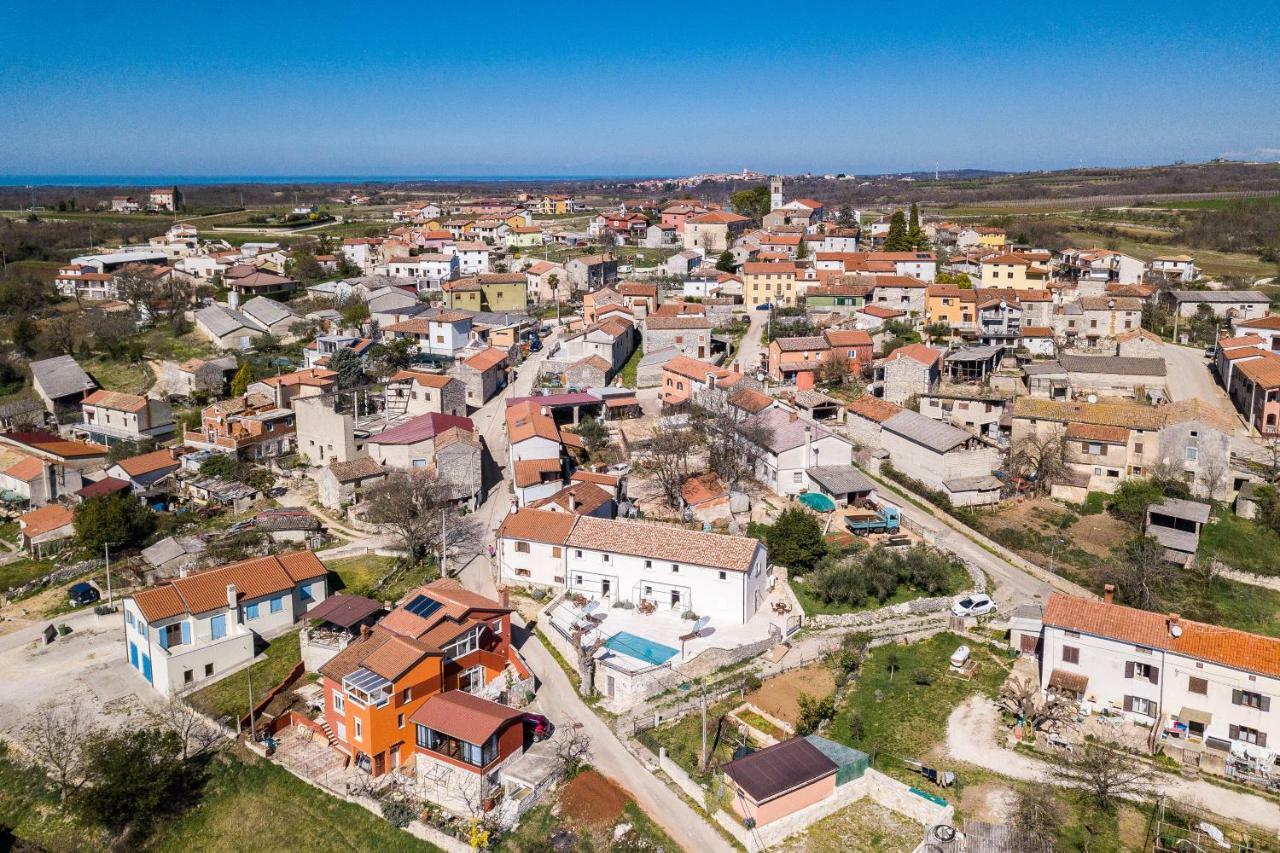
[[901, 718], [359, 574], [129, 377], [246, 804], [19, 572], [1212, 263], [1241, 544]]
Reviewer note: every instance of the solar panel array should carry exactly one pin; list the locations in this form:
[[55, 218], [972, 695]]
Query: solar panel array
[[423, 606]]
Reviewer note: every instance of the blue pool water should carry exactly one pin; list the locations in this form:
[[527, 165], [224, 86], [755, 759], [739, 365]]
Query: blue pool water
[[641, 648]]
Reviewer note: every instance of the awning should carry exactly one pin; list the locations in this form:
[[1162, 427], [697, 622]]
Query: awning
[[1073, 681], [1191, 715]]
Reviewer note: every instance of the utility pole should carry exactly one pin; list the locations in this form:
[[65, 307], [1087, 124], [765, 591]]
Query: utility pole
[[444, 544], [106, 556], [253, 729], [702, 756]]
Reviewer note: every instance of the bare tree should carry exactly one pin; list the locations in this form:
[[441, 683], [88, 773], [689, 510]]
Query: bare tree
[[1037, 820], [194, 732], [161, 296], [415, 507], [572, 747], [1021, 696], [1040, 459], [56, 736], [1141, 574], [667, 456], [1213, 473], [733, 441], [1103, 773]]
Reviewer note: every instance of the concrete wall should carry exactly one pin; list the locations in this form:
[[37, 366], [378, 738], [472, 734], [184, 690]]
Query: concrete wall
[[323, 434]]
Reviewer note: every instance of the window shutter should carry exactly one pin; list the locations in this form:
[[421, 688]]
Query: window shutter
[[1233, 732], [1153, 672], [1235, 698], [1266, 703], [186, 632], [1128, 701], [162, 636], [1262, 738], [1128, 671]]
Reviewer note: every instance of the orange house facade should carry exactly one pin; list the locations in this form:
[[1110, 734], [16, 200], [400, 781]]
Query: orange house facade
[[440, 637]]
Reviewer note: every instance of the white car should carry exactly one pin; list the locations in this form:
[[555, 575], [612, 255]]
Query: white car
[[973, 605]]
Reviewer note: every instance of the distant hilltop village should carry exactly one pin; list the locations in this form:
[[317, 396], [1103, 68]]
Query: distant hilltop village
[[729, 177]]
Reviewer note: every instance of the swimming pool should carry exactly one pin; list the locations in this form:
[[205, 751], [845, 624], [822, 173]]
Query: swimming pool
[[641, 648]]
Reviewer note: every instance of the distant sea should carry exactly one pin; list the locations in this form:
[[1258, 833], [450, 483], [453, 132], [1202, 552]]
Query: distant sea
[[206, 180]]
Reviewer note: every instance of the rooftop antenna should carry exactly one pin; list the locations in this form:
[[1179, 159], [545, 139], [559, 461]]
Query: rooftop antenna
[[935, 171]]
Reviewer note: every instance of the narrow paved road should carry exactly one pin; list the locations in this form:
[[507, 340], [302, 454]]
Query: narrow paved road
[[1189, 378], [971, 737], [559, 700]]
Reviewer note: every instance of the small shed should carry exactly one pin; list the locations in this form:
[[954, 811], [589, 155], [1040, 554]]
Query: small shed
[[850, 763], [1176, 525]]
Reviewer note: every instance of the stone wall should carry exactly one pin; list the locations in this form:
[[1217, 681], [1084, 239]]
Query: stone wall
[[57, 576]]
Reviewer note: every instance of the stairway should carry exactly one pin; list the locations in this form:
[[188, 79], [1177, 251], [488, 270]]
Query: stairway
[[324, 724]]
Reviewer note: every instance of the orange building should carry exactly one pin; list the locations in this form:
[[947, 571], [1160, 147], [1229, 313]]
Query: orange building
[[440, 637]]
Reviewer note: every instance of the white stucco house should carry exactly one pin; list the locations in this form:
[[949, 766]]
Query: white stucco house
[[716, 575], [194, 630]]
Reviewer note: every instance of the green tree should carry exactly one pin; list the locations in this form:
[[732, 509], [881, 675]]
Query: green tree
[[753, 202], [391, 355], [354, 313], [897, 240], [725, 262], [304, 267], [243, 378], [845, 219], [348, 366], [119, 520], [795, 540], [593, 433], [802, 250], [24, 333], [133, 776], [915, 234]]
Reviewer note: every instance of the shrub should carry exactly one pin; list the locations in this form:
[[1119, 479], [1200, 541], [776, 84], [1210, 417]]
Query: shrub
[[922, 676], [813, 711], [398, 813], [690, 615], [795, 540]]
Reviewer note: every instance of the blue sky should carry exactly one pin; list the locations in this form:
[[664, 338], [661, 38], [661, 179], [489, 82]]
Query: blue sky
[[319, 88]]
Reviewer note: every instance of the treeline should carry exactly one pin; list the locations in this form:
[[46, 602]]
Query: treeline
[[40, 240], [1248, 225]]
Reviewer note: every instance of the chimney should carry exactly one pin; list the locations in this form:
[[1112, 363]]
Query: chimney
[[543, 409], [737, 366], [233, 300], [573, 502], [231, 595], [808, 445], [364, 631], [1109, 593]]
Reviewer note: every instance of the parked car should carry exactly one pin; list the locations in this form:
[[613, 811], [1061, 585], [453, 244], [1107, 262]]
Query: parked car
[[973, 605], [538, 726], [83, 593], [277, 492], [764, 306]]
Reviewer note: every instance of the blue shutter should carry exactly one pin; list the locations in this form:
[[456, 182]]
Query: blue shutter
[[186, 633], [162, 637], [218, 626], [133, 655], [146, 667]]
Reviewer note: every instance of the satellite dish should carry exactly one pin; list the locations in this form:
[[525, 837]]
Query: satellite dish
[[1175, 631], [1093, 398], [591, 607], [702, 622]]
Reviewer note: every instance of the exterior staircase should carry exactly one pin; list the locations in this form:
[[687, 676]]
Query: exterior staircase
[[324, 724]]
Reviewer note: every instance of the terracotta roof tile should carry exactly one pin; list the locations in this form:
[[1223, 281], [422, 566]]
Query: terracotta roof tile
[[45, 520], [537, 525], [1098, 432], [1212, 643], [116, 400], [157, 460], [459, 714]]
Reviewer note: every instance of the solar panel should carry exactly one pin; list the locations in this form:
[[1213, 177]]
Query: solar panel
[[423, 605]]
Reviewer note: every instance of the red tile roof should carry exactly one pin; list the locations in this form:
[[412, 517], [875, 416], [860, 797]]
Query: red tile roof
[[206, 591], [44, 520], [421, 428], [116, 400], [459, 714], [1212, 643]]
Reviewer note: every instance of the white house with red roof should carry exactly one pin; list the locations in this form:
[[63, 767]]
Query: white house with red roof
[[1205, 687], [199, 628]]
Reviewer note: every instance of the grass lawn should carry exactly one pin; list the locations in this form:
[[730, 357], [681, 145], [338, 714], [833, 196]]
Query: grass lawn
[[161, 343], [632, 366], [760, 724], [359, 574], [901, 718], [129, 377], [1241, 544], [230, 696], [20, 571], [244, 805], [260, 806], [1242, 606]]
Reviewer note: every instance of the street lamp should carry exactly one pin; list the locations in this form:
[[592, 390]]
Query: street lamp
[[106, 557]]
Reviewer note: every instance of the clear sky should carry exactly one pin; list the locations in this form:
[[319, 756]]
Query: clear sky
[[646, 87]]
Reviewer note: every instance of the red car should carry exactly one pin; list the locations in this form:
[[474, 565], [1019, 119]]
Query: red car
[[538, 726]]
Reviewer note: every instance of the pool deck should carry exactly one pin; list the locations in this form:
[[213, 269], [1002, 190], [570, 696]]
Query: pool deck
[[666, 627]]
